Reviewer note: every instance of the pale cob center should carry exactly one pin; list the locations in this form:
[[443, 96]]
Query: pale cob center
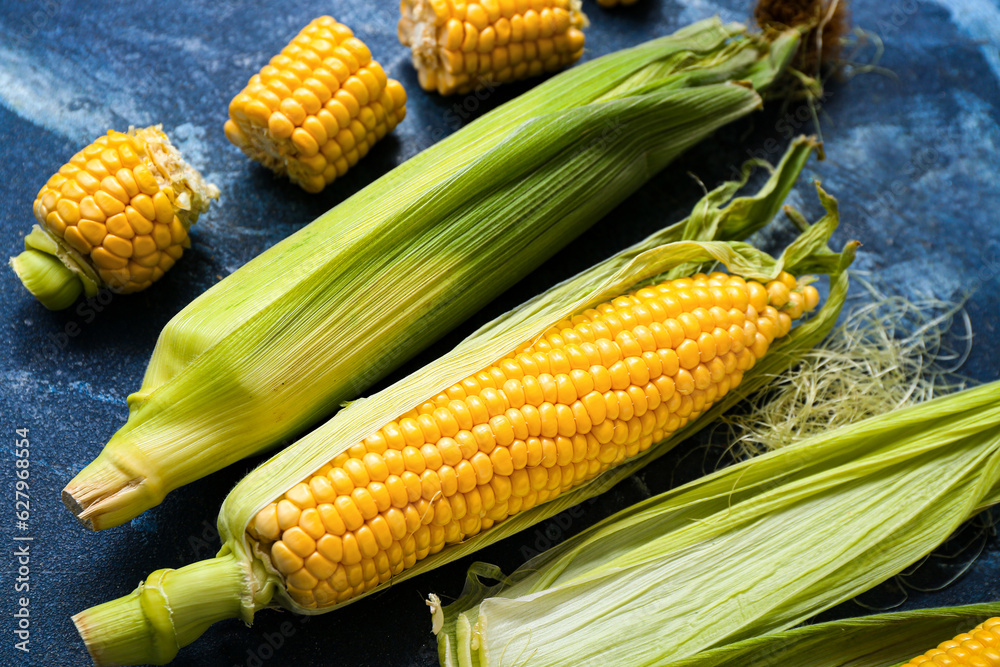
[[977, 648], [458, 46], [317, 107], [591, 393], [124, 205]]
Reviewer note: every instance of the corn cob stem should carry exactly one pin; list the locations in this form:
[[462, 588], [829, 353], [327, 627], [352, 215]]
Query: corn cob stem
[[49, 280], [548, 164], [54, 270], [168, 610]]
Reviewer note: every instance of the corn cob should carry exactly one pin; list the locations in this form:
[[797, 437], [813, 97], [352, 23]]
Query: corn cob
[[317, 107], [592, 392], [320, 467], [116, 215], [979, 647], [458, 46], [458, 224]]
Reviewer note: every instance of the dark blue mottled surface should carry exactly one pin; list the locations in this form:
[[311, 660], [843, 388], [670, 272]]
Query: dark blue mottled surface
[[913, 157]]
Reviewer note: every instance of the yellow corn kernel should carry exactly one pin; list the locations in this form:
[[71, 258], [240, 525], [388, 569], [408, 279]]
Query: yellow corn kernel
[[980, 647], [106, 210], [592, 392], [296, 114], [459, 47]]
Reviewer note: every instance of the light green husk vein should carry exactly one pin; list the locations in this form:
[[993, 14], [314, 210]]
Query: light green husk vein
[[320, 316], [755, 548], [125, 623]]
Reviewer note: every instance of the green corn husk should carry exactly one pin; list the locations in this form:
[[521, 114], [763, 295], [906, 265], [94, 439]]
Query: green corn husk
[[755, 548], [116, 630], [320, 316], [880, 640]]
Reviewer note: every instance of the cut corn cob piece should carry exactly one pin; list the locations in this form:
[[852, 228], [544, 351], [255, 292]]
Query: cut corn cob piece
[[116, 215], [460, 46], [591, 393], [317, 108], [980, 647], [131, 629], [265, 353]]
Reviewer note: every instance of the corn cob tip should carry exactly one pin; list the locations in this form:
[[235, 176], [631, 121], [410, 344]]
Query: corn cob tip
[[50, 281], [109, 492], [166, 612], [116, 215]]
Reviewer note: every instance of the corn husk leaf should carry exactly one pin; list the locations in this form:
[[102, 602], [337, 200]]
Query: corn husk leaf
[[651, 259], [267, 351], [880, 640], [118, 630], [762, 545]]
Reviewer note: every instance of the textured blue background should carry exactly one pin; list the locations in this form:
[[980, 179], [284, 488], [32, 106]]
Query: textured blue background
[[912, 155]]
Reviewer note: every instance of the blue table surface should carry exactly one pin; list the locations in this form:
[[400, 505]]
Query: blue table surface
[[912, 155]]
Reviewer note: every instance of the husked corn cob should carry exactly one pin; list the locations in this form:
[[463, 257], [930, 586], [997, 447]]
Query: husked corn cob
[[978, 648], [458, 46], [317, 107], [590, 393], [116, 215]]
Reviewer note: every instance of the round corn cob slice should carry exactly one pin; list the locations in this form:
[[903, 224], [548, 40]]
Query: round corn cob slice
[[317, 107], [980, 647], [459, 46], [116, 215], [590, 393]]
